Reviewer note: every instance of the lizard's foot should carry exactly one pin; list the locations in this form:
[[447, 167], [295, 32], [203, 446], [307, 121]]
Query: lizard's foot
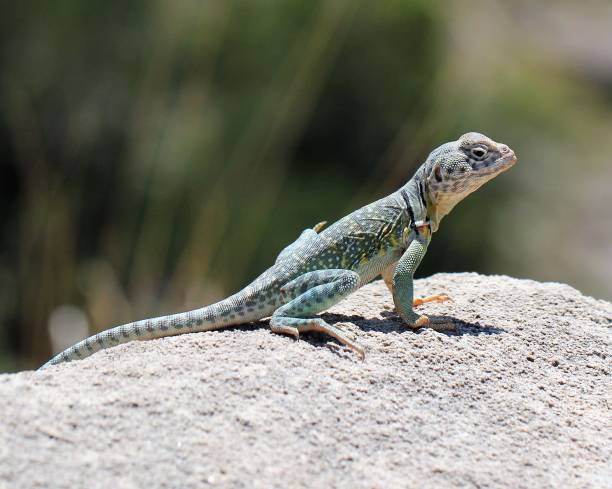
[[321, 326], [295, 326], [437, 323], [284, 329], [431, 298]]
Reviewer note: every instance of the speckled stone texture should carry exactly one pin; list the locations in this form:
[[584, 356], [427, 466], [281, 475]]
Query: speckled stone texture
[[519, 397]]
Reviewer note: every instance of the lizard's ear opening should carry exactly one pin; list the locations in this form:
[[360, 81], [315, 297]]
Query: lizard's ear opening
[[437, 172]]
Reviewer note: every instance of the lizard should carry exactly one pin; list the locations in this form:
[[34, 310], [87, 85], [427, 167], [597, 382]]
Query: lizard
[[387, 238]]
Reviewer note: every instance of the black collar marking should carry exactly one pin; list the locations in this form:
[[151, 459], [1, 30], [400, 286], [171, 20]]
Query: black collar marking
[[413, 224], [404, 195], [422, 195]]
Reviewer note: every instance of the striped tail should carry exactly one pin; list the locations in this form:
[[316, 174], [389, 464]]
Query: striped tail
[[247, 305]]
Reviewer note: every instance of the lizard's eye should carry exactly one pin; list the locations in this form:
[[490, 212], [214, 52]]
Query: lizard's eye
[[478, 152]]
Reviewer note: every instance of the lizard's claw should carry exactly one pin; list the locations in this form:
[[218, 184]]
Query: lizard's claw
[[356, 347], [437, 323], [431, 298]]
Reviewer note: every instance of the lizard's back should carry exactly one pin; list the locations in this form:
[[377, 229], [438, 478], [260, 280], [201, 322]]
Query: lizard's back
[[365, 241]]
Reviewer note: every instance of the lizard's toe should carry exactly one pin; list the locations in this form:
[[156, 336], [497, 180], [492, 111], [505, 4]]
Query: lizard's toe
[[442, 323], [420, 322], [355, 347], [288, 330], [437, 323], [431, 298]]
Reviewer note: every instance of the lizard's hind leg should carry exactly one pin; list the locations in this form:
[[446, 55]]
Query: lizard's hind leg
[[310, 294]]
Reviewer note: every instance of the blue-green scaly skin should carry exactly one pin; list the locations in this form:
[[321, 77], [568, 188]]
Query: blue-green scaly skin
[[388, 237]]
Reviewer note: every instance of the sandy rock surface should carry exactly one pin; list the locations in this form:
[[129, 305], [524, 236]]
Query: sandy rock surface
[[519, 397]]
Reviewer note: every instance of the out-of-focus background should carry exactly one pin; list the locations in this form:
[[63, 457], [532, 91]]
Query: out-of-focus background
[[156, 155]]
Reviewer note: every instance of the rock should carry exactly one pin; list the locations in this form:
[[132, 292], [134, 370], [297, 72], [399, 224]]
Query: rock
[[518, 397]]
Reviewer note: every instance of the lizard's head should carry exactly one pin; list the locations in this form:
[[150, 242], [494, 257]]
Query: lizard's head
[[456, 169]]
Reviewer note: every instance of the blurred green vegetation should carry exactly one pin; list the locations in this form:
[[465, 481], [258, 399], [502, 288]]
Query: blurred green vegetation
[[157, 155]]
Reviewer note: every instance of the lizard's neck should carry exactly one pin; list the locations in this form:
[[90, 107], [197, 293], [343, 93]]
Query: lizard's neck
[[423, 203], [414, 200], [436, 211], [439, 205]]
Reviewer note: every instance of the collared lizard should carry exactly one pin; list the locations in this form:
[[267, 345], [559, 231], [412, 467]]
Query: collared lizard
[[323, 266]]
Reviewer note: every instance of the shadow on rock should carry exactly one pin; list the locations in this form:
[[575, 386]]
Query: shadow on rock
[[392, 322]]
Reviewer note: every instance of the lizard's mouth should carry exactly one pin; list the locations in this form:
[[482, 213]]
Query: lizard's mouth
[[496, 167], [506, 161]]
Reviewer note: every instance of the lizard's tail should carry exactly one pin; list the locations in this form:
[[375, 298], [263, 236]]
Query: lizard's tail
[[245, 306]]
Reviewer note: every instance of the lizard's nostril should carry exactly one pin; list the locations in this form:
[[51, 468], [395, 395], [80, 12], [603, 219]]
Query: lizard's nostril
[[504, 149]]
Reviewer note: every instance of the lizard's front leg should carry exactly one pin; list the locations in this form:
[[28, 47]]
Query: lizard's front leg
[[403, 288], [387, 276]]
